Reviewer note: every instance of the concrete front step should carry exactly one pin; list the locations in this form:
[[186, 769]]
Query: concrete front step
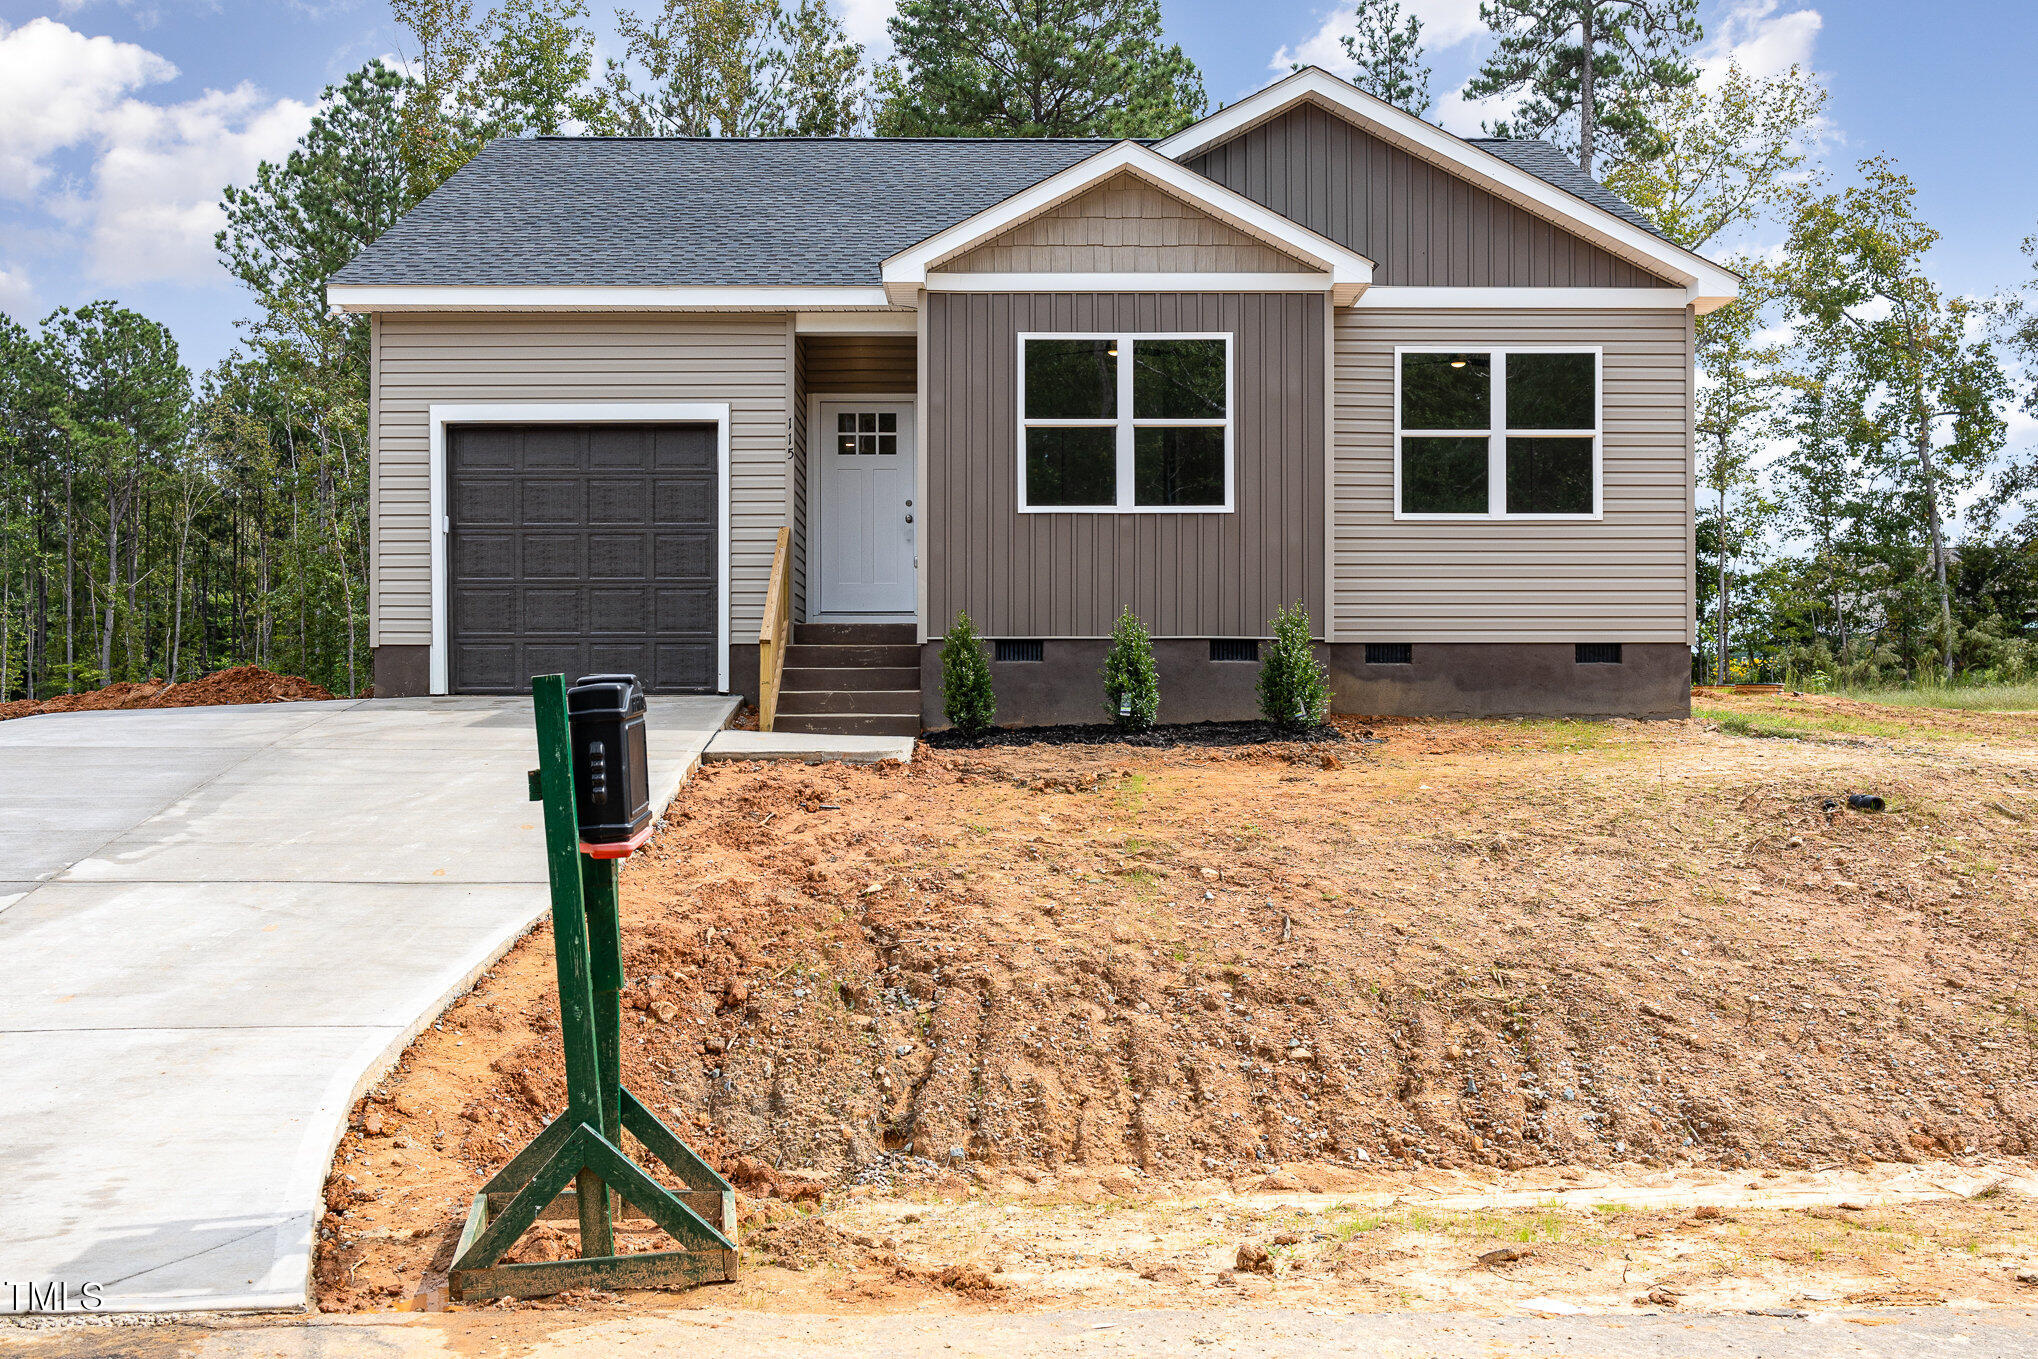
[[851, 677], [873, 724], [834, 656], [902, 702], [869, 634]]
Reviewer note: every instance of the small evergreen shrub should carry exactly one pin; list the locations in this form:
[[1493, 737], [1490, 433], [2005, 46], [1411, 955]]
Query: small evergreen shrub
[[1132, 685], [966, 694], [1294, 687]]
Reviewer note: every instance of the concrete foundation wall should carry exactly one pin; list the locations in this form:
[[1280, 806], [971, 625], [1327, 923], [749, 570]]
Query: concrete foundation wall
[[403, 671], [1446, 679], [1512, 679]]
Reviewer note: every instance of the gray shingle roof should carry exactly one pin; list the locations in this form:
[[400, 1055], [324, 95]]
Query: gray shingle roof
[[596, 211], [1552, 166], [626, 210]]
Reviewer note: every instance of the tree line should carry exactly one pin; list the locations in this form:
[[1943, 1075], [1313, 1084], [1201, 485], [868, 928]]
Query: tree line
[[1861, 517]]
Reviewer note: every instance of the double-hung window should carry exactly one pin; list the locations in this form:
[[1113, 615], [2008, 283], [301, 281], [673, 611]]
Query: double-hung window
[[1125, 423], [1497, 433]]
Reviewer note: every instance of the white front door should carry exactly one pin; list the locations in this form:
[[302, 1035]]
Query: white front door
[[861, 508]]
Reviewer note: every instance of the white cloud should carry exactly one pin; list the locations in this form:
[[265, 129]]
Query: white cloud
[[865, 22], [147, 202], [158, 179], [1445, 23], [1764, 41], [1461, 113], [56, 86], [17, 295]]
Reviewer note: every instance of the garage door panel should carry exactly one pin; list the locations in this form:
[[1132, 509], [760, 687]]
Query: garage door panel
[[673, 658], [554, 447], [553, 556], [619, 611], [553, 500], [485, 556], [620, 449], [679, 448], [681, 610], [580, 549], [616, 503], [618, 556], [478, 501], [488, 666], [683, 502]]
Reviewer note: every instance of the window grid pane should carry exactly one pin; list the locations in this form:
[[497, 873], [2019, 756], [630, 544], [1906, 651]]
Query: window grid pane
[[1165, 412], [1542, 449]]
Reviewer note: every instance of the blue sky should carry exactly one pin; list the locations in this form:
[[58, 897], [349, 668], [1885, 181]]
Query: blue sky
[[121, 119]]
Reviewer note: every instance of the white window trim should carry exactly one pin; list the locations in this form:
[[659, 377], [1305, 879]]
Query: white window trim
[[570, 413], [1496, 433], [1126, 423]]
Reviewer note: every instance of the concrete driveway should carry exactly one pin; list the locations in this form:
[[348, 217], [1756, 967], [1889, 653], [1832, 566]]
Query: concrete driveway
[[217, 927]]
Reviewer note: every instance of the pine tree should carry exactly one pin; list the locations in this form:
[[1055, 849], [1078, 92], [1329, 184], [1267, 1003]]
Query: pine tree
[[1601, 62], [966, 693], [1294, 688], [1132, 683], [1035, 68], [1386, 51]]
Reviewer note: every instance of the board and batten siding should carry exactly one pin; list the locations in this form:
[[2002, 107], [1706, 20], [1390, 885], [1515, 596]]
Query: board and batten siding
[[1421, 225], [1069, 575], [436, 358], [1623, 578], [1124, 225]]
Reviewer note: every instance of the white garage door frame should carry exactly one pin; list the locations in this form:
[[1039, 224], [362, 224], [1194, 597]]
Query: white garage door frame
[[575, 413]]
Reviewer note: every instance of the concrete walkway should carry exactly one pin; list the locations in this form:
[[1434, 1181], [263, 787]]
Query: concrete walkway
[[1197, 1333], [217, 927]]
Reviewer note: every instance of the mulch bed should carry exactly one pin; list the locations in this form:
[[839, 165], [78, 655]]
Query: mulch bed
[[1164, 737]]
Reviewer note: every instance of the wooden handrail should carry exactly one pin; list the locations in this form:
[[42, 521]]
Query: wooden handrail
[[776, 632]]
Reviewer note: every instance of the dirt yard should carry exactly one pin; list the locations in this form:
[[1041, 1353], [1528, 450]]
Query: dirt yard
[[240, 684], [1049, 1022]]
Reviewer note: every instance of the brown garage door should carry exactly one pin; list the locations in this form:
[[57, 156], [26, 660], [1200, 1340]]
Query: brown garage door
[[579, 549]]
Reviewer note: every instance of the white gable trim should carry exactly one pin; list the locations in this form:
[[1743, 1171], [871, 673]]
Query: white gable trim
[[1350, 272], [1706, 284]]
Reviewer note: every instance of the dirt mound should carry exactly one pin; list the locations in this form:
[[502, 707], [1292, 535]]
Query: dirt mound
[[240, 684], [1478, 946]]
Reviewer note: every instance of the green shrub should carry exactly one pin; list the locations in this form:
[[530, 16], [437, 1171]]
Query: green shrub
[[1132, 686], [1294, 687], [966, 694]]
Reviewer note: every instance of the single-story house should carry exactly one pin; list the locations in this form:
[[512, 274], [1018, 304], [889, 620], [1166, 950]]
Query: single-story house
[[665, 404]]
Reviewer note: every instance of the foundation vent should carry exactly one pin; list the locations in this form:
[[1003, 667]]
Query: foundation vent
[[1235, 649], [1390, 653], [1599, 653], [1006, 650]]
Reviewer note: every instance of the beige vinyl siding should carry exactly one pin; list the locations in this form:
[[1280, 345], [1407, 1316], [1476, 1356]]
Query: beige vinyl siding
[[1623, 578], [1421, 225], [1068, 575], [1124, 225], [432, 358]]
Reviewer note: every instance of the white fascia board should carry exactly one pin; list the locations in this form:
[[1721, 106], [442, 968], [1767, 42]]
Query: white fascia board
[[906, 272], [1515, 299], [941, 281], [374, 297], [1707, 283], [856, 323]]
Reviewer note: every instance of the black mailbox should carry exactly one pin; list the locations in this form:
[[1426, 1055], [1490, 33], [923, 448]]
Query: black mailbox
[[611, 777]]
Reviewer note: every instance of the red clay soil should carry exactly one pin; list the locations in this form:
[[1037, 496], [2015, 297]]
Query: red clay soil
[[241, 684]]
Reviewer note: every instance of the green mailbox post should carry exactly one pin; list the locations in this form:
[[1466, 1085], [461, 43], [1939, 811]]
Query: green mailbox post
[[583, 1147]]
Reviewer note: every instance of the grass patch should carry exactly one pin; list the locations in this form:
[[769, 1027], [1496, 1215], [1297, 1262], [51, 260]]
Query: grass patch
[[1985, 698], [1761, 728]]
